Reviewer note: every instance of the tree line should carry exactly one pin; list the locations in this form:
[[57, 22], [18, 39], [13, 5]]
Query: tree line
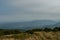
[[16, 31], [55, 29]]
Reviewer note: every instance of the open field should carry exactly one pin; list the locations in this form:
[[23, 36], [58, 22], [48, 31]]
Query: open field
[[42, 35]]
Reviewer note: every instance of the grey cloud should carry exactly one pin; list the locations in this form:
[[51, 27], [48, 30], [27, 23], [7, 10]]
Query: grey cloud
[[31, 10]]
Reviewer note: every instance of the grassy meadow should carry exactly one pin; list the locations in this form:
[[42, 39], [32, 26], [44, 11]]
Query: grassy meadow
[[34, 34]]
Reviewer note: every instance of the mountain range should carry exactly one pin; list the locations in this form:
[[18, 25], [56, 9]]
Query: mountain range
[[29, 24]]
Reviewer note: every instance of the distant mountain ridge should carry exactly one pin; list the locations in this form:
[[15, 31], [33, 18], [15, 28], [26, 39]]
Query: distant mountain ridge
[[27, 25], [57, 24]]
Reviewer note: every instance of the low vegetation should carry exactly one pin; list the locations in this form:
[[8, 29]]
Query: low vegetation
[[34, 34]]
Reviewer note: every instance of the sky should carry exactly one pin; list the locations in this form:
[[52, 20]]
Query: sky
[[26, 10]]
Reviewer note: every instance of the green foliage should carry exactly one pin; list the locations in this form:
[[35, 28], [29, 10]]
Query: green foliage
[[11, 32], [6, 32], [56, 29], [47, 29], [15, 31], [30, 31]]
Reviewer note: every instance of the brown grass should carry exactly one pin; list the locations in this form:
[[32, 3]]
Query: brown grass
[[36, 36]]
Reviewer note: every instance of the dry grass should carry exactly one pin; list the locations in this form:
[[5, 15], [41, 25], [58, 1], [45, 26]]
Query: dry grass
[[36, 36]]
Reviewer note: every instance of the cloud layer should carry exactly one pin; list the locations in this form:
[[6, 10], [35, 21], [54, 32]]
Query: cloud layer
[[23, 10]]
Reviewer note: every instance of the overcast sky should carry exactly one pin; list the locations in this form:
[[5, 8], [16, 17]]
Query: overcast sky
[[25, 10]]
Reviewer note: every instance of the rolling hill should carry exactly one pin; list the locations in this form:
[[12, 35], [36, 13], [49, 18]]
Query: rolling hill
[[27, 25]]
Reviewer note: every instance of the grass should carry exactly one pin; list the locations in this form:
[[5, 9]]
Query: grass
[[42, 35]]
